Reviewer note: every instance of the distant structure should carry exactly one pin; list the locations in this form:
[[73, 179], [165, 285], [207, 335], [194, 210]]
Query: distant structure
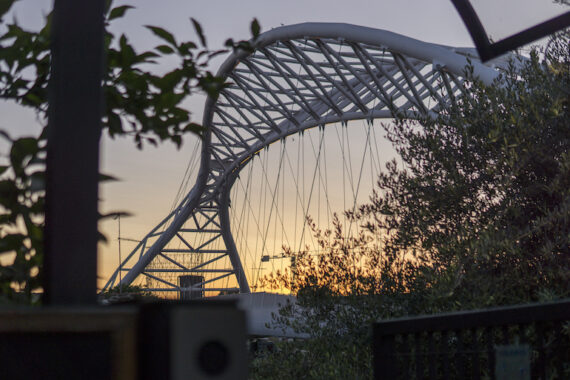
[[260, 308], [297, 78]]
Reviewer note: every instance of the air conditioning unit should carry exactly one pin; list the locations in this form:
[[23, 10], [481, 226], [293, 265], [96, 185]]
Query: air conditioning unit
[[193, 340]]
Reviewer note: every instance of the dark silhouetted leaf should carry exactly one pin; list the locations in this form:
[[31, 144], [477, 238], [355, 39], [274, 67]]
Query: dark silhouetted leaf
[[163, 34], [5, 6], [194, 128], [199, 32], [5, 134], [107, 178], [119, 12], [11, 242], [255, 28], [115, 124], [165, 49], [22, 149]]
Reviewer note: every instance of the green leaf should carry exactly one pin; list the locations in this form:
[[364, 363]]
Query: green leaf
[[33, 99], [107, 178], [255, 28], [229, 43], [163, 34], [11, 242], [194, 128], [128, 54], [165, 49], [169, 99], [5, 134], [152, 141], [8, 193], [186, 47], [212, 85], [170, 80], [144, 57], [108, 5], [199, 32], [5, 6], [244, 45], [45, 33], [115, 124], [35, 232], [119, 12], [177, 140], [101, 238], [22, 149], [6, 219]]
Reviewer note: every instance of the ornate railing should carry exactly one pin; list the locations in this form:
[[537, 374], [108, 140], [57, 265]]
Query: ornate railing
[[482, 344]]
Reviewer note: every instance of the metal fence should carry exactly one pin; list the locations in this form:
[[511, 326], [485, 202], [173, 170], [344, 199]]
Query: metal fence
[[467, 345]]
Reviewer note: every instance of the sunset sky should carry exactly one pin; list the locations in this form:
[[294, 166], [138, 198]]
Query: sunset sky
[[150, 179]]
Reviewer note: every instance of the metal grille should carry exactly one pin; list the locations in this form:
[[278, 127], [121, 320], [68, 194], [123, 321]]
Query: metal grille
[[463, 345]]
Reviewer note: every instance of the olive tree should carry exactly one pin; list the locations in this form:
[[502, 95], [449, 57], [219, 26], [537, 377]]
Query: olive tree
[[478, 215]]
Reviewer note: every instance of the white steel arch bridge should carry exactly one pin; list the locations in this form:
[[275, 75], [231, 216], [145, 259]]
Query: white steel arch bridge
[[298, 77]]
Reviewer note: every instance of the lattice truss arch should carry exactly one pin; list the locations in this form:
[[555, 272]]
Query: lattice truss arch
[[298, 77]]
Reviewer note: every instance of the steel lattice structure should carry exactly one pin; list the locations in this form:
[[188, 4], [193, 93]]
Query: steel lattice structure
[[298, 77]]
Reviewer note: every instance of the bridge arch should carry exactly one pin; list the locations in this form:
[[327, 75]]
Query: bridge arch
[[297, 77]]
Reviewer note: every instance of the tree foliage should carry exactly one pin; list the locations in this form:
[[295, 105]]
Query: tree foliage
[[477, 216], [140, 103], [126, 294]]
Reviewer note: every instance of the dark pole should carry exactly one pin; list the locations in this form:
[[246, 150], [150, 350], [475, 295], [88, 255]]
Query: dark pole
[[74, 129]]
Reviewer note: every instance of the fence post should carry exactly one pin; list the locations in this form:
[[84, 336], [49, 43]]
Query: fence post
[[384, 355]]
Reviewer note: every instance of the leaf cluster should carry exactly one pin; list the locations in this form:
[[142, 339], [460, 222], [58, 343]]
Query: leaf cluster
[[126, 294], [140, 103], [22, 204]]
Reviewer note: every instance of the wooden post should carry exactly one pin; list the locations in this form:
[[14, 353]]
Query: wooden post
[[74, 129]]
